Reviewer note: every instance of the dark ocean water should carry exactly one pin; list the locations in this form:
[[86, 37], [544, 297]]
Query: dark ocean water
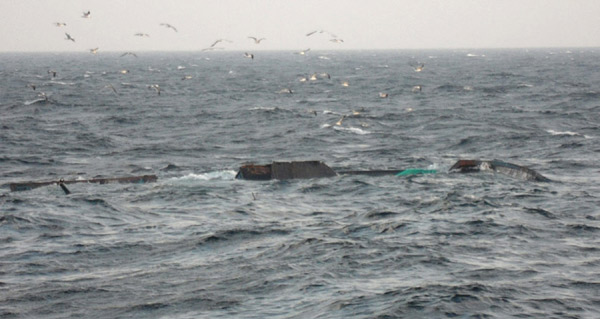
[[200, 244]]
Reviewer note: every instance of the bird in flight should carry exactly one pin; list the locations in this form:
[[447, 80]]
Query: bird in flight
[[69, 37], [169, 26], [129, 53], [249, 55], [219, 40], [211, 49], [337, 40], [110, 86], [419, 67], [321, 31], [140, 34], [94, 50], [86, 14], [60, 24], [303, 52], [256, 40]]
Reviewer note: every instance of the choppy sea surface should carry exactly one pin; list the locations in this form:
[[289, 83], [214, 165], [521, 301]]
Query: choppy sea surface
[[200, 244]]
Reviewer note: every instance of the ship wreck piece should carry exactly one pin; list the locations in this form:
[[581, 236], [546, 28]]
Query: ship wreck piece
[[496, 166], [310, 169], [25, 186]]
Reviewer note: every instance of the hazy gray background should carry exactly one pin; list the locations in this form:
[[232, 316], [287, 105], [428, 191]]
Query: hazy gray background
[[27, 25]]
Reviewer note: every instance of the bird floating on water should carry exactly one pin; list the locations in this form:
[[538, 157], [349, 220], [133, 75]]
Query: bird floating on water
[[69, 37], [156, 87], [31, 86], [256, 40], [286, 90], [249, 55], [419, 67], [86, 14], [345, 83], [417, 88], [169, 26], [383, 95]]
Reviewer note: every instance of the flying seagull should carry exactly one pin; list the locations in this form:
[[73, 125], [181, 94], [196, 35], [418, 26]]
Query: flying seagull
[[94, 50], [419, 67], [337, 40], [86, 14], [129, 53], [256, 40], [169, 26], [212, 49], [110, 86], [140, 34], [60, 24], [321, 31], [303, 52], [219, 40], [249, 55], [52, 72], [69, 37]]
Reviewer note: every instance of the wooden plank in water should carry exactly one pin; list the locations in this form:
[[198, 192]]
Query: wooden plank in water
[[130, 179]]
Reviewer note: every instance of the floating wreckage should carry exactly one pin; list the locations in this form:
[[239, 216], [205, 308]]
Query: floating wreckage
[[317, 169], [496, 166], [62, 183], [309, 169]]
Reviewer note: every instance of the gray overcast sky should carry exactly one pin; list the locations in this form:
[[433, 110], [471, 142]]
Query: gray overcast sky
[[27, 25]]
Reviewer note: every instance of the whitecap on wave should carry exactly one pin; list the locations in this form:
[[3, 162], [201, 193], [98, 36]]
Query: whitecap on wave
[[354, 130], [34, 101], [208, 176], [569, 133]]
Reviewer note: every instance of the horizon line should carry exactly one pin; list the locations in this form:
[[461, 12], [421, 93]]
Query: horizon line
[[315, 50]]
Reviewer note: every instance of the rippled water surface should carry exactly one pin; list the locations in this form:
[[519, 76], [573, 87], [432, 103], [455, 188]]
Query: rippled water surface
[[200, 244]]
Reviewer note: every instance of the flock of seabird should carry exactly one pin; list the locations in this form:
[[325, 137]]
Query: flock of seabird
[[257, 40]]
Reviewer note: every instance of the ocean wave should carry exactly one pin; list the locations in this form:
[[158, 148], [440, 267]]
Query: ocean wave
[[354, 130], [223, 175], [568, 133]]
